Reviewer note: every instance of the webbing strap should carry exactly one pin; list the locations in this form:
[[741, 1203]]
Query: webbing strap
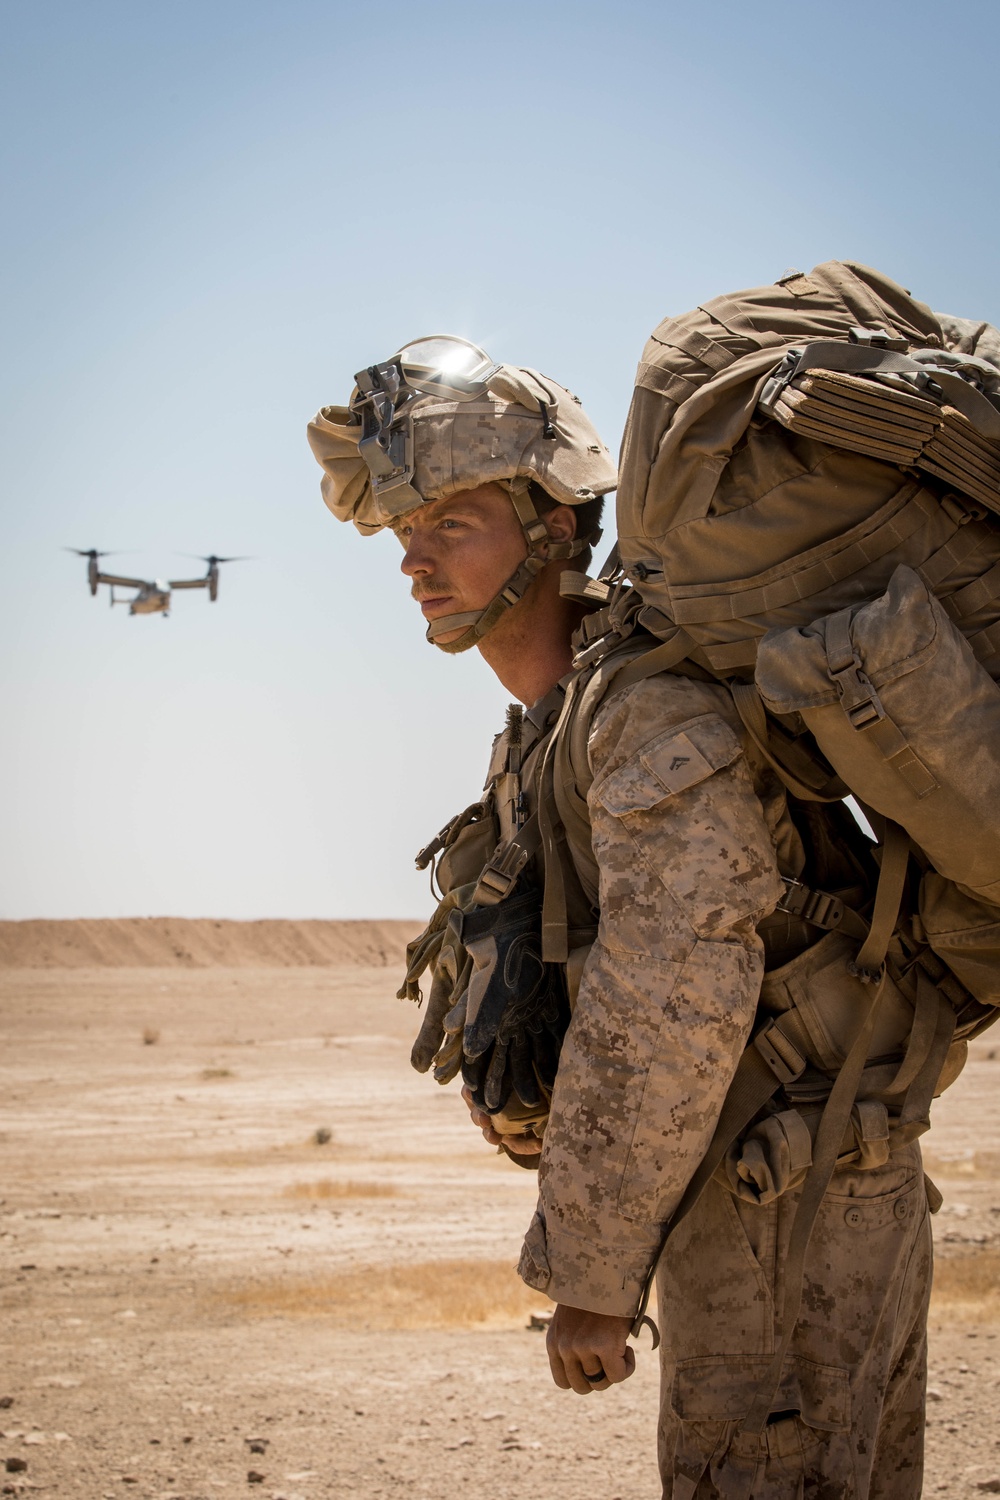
[[691, 604], [513, 590], [707, 351], [986, 643], [922, 1034], [733, 316], [658, 659], [555, 923], [567, 748], [453, 622], [751, 710], [863, 708], [969, 538], [665, 383], [541, 550], [888, 896], [900, 754], [731, 656], [915, 1116], [753, 1084], [975, 595], [829, 1137], [756, 1080], [855, 359]]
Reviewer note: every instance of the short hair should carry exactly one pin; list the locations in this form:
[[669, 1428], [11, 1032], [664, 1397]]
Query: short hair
[[588, 515]]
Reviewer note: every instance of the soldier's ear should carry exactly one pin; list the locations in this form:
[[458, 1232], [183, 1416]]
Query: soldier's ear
[[561, 523]]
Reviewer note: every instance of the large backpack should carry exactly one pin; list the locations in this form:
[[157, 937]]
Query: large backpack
[[809, 506], [784, 452]]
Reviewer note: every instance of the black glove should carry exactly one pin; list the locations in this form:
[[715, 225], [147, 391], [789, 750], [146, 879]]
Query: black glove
[[517, 1009]]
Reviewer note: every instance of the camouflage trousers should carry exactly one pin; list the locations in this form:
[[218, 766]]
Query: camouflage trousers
[[848, 1422]]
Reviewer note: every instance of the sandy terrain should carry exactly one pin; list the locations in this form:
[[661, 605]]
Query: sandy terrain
[[247, 1251]]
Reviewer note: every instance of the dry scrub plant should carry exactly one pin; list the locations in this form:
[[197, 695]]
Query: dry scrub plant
[[429, 1294], [968, 1286], [962, 1164], [327, 1187]]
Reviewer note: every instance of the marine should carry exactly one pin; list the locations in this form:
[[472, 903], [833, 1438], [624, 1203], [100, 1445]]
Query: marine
[[613, 937]]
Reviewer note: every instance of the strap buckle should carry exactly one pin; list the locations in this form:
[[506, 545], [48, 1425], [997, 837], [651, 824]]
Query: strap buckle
[[877, 338], [428, 852], [448, 833], [587, 655], [782, 1056], [858, 698], [779, 378], [500, 876], [817, 907]]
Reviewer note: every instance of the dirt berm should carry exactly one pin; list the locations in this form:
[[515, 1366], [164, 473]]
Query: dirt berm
[[204, 943]]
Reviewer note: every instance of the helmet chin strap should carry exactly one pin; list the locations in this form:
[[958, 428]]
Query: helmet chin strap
[[475, 624]]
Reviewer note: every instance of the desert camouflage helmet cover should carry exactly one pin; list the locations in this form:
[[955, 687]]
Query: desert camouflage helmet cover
[[524, 425]]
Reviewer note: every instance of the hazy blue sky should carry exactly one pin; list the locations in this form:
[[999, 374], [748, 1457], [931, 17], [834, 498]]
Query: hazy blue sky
[[216, 212]]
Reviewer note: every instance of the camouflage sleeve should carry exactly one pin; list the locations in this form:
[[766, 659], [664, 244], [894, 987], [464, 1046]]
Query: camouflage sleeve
[[668, 994]]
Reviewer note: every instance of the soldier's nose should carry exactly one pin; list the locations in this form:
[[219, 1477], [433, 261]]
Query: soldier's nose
[[416, 559]]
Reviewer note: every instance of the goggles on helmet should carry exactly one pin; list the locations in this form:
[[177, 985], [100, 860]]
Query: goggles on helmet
[[543, 435], [439, 365]]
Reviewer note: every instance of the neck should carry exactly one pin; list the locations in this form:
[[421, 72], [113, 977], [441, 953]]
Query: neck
[[529, 648]]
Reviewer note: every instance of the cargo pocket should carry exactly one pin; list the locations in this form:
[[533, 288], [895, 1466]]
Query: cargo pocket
[[805, 1443], [721, 1388]]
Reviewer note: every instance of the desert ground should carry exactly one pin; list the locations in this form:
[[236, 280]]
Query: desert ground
[[247, 1251]]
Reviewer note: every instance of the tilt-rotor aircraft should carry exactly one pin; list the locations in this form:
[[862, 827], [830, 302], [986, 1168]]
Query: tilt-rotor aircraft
[[153, 595]]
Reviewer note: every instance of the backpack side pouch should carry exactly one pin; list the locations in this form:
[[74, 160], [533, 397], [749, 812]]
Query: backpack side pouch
[[965, 933], [907, 717]]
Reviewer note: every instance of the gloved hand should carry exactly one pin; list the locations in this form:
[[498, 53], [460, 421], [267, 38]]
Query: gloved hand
[[448, 1058], [517, 1009], [441, 947]]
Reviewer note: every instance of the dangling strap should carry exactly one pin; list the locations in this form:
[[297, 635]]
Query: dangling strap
[[830, 1135], [869, 967], [555, 921], [755, 1081], [888, 896], [770, 1062]]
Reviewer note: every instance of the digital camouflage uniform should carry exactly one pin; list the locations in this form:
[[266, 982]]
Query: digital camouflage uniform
[[690, 830]]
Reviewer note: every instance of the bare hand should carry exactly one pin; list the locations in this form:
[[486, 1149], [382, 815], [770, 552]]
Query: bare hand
[[523, 1145], [582, 1344]]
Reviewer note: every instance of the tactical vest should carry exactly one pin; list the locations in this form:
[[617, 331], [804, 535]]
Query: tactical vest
[[531, 833]]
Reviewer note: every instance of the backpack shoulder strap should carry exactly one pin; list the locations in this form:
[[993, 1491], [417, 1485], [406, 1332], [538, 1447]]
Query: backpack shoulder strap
[[566, 776]]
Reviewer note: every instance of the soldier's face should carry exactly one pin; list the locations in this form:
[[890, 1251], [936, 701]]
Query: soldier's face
[[461, 551]]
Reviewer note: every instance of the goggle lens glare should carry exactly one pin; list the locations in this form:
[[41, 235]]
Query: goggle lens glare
[[443, 365]]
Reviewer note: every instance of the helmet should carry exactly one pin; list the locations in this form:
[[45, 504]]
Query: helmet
[[440, 417]]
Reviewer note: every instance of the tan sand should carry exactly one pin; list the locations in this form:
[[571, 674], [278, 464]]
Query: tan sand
[[199, 1286]]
